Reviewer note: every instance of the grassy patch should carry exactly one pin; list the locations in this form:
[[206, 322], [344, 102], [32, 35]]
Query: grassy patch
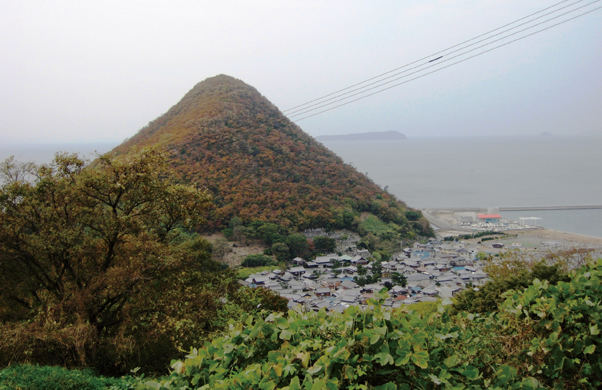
[[373, 224]]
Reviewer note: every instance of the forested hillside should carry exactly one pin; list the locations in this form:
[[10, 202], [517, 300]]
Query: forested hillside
[[226, 137]]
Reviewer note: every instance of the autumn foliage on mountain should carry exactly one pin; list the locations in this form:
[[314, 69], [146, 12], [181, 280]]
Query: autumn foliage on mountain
[[224, 136]]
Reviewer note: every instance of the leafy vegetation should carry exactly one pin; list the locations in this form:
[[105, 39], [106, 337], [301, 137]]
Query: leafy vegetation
[[544, 336], [98, 268], [29, 377], [399, 279], [324, 244], [258, 261], [373, 224], [225, 137], [487, 297]]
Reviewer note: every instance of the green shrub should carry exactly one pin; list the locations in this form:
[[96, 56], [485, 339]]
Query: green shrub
[[29, 377], [258, 261], [490, 295]]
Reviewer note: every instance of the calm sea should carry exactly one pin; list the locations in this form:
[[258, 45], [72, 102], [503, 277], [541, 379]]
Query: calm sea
[[459, 172], [43, 154], [490, 172]]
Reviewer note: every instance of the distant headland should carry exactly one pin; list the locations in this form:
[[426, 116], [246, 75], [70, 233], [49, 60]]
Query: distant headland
[[375, 136]]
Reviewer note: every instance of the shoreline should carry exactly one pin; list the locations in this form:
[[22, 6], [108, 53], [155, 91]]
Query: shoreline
[[446, 222], [556, 235]]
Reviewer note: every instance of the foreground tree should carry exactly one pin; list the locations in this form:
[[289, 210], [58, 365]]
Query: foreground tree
[[88, 237], [81, 244]]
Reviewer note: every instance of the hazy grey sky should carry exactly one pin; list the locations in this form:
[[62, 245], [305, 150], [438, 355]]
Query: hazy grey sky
[[91, 71]]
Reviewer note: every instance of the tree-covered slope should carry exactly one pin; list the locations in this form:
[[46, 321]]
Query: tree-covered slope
[[226, 137]]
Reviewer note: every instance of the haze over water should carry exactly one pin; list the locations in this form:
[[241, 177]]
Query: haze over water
[[490, 171]]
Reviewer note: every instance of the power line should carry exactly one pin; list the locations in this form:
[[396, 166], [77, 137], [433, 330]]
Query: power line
[[380, 83], [339, 96], [447, 66], [432, 55]]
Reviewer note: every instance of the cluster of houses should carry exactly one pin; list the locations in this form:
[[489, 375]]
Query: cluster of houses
[[432, 270]]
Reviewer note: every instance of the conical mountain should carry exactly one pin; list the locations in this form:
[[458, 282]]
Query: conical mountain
[[258, 165]]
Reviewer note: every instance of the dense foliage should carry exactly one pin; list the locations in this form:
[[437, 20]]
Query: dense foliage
[[258, 165], [545, 336], [28, 377], [98, 268], [487, 297], [324, 244], [257, 261]]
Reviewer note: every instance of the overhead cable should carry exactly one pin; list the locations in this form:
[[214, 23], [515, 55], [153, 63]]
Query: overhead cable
[[449, 65], [304, 108]]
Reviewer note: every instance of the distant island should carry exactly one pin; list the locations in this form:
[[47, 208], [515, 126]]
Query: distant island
[[376, 136]]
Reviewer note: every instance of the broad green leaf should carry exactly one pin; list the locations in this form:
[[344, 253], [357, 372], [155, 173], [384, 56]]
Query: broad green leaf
[[435, 379], [267, 384], [228, 348], [286, 334], [504, 374], [342, 354], [589, 349], [421, 358], [471, 373], [290, 369], [277, 369], [294, 385], [444, 375], [318, 385], [304, 357], [594, 330], [384, 358], [384, 348], [404, 359], [530, 383], [452, 361], [282, 323], [374, 339], [315, 369], [308, 382], [381, 331]]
